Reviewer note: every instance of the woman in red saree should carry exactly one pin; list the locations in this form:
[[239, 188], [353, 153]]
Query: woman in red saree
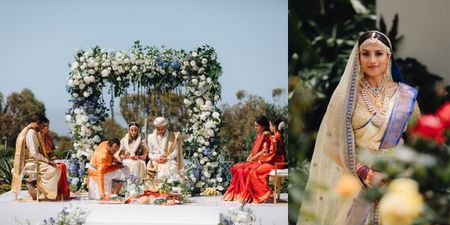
[[238, 189], [49, 146], [257, 180]]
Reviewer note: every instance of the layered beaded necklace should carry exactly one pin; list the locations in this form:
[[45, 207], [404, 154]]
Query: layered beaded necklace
[[378, 103], [376, 91]]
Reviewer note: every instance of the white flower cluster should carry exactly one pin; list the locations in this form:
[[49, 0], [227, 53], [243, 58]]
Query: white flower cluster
[[93, 68], [240, 216], [85, 130], [204, 121], [70, 215]]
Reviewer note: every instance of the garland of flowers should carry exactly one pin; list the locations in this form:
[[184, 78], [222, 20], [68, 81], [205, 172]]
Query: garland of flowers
[[159, 69]]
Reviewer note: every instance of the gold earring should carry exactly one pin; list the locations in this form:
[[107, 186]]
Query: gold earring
[[362, 73], [387, 73]]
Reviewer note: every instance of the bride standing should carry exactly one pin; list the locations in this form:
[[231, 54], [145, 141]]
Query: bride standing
[[368, 113]]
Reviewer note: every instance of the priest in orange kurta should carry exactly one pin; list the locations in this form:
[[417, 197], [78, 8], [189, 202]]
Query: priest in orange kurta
[[104, 168]]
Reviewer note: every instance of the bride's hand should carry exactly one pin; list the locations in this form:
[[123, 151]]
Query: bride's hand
[[377, 179]]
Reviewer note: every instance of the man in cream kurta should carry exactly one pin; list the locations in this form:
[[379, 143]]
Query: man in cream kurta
[[165, 151], [29, 152]]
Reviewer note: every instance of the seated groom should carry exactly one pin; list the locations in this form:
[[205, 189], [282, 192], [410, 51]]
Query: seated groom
[[104, 169], [29, 153], [165, 151]]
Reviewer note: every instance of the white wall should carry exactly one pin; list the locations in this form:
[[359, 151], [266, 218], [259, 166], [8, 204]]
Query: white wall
[[426, 27]]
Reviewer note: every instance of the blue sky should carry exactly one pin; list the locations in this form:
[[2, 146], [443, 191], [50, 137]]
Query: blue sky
[[39, 38]]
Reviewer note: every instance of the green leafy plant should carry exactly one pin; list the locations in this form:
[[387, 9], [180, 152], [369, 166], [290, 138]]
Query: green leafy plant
[[6, 170]]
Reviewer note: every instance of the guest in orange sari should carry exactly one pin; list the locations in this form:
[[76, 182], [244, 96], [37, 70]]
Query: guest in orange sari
[[104, 169], [238, 189], [49, 146], [258, 188]]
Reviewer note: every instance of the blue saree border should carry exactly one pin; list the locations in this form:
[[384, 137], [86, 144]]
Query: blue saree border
[[349, 134], [403, 108]]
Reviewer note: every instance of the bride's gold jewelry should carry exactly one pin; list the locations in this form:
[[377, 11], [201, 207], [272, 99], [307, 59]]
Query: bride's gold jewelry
[[375, 91], [376, 105], [387, 73], [373, 40]]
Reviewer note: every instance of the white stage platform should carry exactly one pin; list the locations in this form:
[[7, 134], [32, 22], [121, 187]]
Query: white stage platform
[[204, 211]]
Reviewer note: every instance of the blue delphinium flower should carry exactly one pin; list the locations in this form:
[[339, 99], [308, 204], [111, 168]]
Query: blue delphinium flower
[[64, 211], [81, 171], [74, 181], [165, 65], [227, 221], [73, 170], [52, 220], [207, 152], [197, 171], [175, 65]]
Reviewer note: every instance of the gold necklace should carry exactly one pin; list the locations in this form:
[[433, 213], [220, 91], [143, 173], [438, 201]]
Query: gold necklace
[[375, 91], [378, 109]]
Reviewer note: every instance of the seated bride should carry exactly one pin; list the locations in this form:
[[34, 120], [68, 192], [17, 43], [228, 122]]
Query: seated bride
[[133, 152], [165, 151]]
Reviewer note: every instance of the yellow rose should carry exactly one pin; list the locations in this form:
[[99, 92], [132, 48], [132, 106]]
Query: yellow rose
[[402, 204], [347, 186], [402, 185]]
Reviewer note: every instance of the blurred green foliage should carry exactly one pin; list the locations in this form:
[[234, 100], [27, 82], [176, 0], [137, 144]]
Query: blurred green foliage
[[238, 132], [15, 113]]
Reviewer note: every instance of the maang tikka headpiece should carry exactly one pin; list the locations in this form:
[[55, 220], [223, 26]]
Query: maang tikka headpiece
[[373, 40]]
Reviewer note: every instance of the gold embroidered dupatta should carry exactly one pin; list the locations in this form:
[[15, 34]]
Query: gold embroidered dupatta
[[334, 153]]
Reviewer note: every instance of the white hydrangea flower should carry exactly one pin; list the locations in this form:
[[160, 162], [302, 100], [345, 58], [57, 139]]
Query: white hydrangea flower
[[204, 61], [194, 54], [70, 83], [199, 101], [216, 115], [105, 72]]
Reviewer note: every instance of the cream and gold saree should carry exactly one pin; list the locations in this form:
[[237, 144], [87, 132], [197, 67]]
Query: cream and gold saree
[[345, 131]]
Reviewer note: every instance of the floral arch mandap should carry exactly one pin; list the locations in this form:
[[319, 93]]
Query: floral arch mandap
[[154, 68]]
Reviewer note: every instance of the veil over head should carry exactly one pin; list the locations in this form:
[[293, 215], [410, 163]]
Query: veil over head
[[334, 152]]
